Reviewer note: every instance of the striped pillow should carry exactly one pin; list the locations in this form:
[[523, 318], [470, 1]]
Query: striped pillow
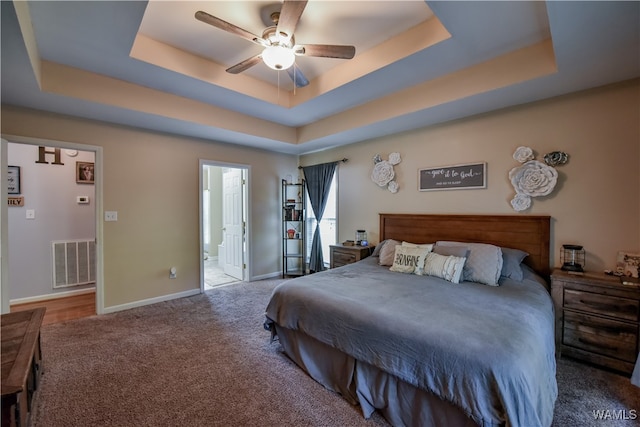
[[445, 267]]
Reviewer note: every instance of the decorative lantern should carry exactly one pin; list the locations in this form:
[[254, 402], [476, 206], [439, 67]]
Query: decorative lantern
[[572, 258], [361, 237]]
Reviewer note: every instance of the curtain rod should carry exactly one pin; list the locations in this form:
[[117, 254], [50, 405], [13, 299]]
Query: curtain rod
[[345, 160]]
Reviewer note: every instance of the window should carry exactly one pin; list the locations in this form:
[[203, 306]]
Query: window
[[328, 225]]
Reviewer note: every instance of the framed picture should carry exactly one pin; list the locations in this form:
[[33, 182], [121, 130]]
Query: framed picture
[[627, 264], [456, 177], [84, 173], [13, 179]]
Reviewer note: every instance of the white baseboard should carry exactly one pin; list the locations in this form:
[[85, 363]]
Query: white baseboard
[[266, 276], [52, 296], [149, 301]]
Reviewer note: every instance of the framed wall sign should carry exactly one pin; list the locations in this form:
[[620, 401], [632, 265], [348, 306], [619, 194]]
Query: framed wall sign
[[13, 179], [456, 177]]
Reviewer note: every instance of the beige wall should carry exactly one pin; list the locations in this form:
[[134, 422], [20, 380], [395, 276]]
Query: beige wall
[[596, 202], [151, 179]]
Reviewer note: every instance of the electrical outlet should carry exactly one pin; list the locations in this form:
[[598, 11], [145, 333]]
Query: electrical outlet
[[173, 273], [111, 215]]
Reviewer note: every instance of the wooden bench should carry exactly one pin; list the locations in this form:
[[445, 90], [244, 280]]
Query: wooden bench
[[21, 364]]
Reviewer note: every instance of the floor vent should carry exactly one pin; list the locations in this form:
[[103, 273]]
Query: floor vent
[[74, 263]]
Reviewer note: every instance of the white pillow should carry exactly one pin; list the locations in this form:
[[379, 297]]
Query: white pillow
[[446, 267], [484, 263], [408, 259], [422, 245]]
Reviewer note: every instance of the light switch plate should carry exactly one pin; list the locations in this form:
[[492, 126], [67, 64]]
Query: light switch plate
[[111, 215], [30, 214]]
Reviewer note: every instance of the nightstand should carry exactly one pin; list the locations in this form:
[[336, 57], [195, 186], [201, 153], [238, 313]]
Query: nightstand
[[597, 319], [343, 255]]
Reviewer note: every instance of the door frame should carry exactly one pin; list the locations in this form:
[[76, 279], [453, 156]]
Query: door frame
[[98, 182], [246, 200]]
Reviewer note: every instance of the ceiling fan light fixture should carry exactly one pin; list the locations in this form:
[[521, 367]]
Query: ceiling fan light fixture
[[278, 57]]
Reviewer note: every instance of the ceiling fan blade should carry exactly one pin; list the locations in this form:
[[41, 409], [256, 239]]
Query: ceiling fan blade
[[325, 50], [289, 17], [245, 65], [230, 28], [299, 80]]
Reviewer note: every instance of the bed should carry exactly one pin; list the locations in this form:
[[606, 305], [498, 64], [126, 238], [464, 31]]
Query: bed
[[420, 349]]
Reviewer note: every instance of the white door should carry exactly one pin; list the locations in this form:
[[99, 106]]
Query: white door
[[233, 222]]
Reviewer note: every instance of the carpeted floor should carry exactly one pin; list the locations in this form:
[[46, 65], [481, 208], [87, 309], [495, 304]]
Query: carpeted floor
[[206, 361]]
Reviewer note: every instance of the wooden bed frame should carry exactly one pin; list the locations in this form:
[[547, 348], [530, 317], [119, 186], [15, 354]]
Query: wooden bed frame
[[528, 233]]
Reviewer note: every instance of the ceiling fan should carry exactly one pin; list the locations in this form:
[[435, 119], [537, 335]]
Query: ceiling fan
[[280, 48]]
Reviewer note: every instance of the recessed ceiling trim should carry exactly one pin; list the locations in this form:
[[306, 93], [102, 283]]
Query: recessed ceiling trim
[[166, 56], [76, 83], [29, 37], [415, 39], [524, 64]]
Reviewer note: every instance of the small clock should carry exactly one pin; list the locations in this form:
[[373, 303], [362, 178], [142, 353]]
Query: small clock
[[71, 153]]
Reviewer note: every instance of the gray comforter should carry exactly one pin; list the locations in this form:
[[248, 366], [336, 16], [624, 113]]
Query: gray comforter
[[489, 350]]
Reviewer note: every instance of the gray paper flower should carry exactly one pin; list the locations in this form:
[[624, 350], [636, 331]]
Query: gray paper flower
[[556, 158], [393, 186], [377, 158]]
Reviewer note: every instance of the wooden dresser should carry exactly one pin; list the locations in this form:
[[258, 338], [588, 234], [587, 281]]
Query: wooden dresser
[[21, 364], [343, 255], [597, 319]]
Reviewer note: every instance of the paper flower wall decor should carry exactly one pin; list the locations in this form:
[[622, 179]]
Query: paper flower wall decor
[[533, 178], [383, 173]]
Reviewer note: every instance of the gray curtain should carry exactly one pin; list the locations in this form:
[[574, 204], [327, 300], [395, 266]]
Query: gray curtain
[[318, 179]]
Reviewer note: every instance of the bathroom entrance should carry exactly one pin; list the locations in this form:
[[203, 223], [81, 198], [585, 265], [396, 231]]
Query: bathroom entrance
[[223, 213]]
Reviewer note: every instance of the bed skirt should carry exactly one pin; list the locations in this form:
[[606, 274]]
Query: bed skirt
[[358, 382]]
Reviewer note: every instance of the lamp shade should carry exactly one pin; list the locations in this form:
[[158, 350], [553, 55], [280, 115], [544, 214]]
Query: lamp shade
[[572, 258], [278, 57]]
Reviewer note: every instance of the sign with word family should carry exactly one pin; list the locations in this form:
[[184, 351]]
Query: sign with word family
[[456, 177], [16, 201]]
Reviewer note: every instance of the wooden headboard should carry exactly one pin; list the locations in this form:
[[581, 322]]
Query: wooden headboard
[[528, 233]]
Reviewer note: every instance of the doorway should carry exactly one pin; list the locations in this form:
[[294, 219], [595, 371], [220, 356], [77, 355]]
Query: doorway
[[59, 161], [223, 212]]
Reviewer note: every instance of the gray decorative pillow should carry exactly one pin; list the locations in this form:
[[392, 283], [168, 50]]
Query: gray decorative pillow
[[418, 245], [458, 251], [387, 252], [484, 263], [376, 251], [511, 260]]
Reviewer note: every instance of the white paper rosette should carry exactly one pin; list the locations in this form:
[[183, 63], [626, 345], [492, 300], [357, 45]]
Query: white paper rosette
[[521, 202], [382, 173], [393, 186], [394, 158], [523, 154], [533, 179]]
